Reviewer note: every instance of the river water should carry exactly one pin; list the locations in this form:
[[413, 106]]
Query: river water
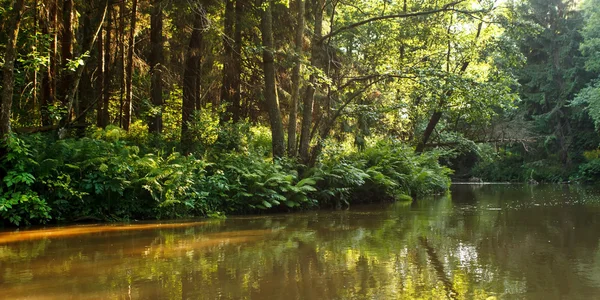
[[478, 242]]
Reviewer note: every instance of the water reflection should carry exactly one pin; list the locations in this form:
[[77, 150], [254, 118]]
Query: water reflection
[[481, 242]]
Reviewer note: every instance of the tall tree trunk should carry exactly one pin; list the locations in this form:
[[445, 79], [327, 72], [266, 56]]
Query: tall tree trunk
[[101, 79], [156, 65], [190, 81], [227, 89], [270, 93], [107, 69], [237, 62], [305, 132], [49, 76], [10, 54], [66, 49], [128, 82], [122, 66], [86, 92], [72, 89], [299, 38], [35, 45]]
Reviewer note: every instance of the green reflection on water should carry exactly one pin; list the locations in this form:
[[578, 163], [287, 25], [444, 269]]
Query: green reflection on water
[[480, 242]]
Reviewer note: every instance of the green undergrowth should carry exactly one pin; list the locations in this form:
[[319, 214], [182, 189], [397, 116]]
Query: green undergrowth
[[113, 176]]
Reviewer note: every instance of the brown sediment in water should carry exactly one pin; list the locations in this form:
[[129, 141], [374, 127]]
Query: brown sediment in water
[[59, 232], [87, 264]]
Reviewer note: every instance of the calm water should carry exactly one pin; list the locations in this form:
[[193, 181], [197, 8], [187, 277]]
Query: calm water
[[485, 242]]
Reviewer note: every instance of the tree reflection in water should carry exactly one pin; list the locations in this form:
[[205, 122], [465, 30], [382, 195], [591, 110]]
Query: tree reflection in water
[[480, 242]]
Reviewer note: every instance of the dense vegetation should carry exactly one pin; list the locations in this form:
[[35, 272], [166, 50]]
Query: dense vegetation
[[117, 110]]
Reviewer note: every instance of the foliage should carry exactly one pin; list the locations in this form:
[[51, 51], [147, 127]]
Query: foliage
[[107, 176], [384, 170], [589, 172], [18, 202]]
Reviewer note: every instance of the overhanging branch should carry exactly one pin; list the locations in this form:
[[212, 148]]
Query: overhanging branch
[[447, 7]]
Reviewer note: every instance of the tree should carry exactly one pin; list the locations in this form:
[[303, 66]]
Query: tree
[[191, 92], [296, 79], [107, 66], [128, 104], [270, 91], [12, 26], [316, 63], [590, 48], [66, 46], [554, 71], [230, 90], [156, 65]]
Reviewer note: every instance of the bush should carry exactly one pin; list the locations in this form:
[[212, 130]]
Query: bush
[[18, 202], [387, 170], [113, 175], [589, 172]]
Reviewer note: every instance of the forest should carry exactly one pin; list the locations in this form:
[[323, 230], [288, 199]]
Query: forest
[[115, 110]]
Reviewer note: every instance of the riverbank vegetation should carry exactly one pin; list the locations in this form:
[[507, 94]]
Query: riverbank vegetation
[[109, 175], [122, 110]]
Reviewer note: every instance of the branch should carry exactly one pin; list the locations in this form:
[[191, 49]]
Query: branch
[[380, 77], [499, 140], [79, 72], [444, 8]]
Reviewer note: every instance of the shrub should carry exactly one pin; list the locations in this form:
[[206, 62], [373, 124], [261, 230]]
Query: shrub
[[386, 170], [18, 202], [113, 175]]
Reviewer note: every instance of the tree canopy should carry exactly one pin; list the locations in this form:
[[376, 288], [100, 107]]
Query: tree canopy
[[504, 90]]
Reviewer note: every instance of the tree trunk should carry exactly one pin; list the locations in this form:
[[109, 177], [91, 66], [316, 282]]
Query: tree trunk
[[232, 45], [309, 98], [270, 93], [49, 76], [101, 79], [237, 62], [10, 55], [433, 121], [122, 66], [190, 82], [66, 49], [35, 45], [156, 65], [72, 89], [128, 81], [87, 91], [227, 90], [107, 70], [299, 38]]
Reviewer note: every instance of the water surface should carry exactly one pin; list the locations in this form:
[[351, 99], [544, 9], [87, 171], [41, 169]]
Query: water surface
[[479, 242]]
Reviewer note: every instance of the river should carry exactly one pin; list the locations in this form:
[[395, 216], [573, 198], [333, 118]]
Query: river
[[478, 242]]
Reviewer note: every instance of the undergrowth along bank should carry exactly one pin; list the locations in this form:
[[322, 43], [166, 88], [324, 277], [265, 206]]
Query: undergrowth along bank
[[112, 175]]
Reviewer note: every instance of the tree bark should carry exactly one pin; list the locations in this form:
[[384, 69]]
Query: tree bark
[[10, 55], [129, 77], [227, 89], [156, 65], [66, 49], [190, 81], [232, 45], [101, 79], [87, 91], [270, 93], [307, 107], [107, 70], [49, 76], [76, 79], [122, 66], [237, 62], [295, 98]]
